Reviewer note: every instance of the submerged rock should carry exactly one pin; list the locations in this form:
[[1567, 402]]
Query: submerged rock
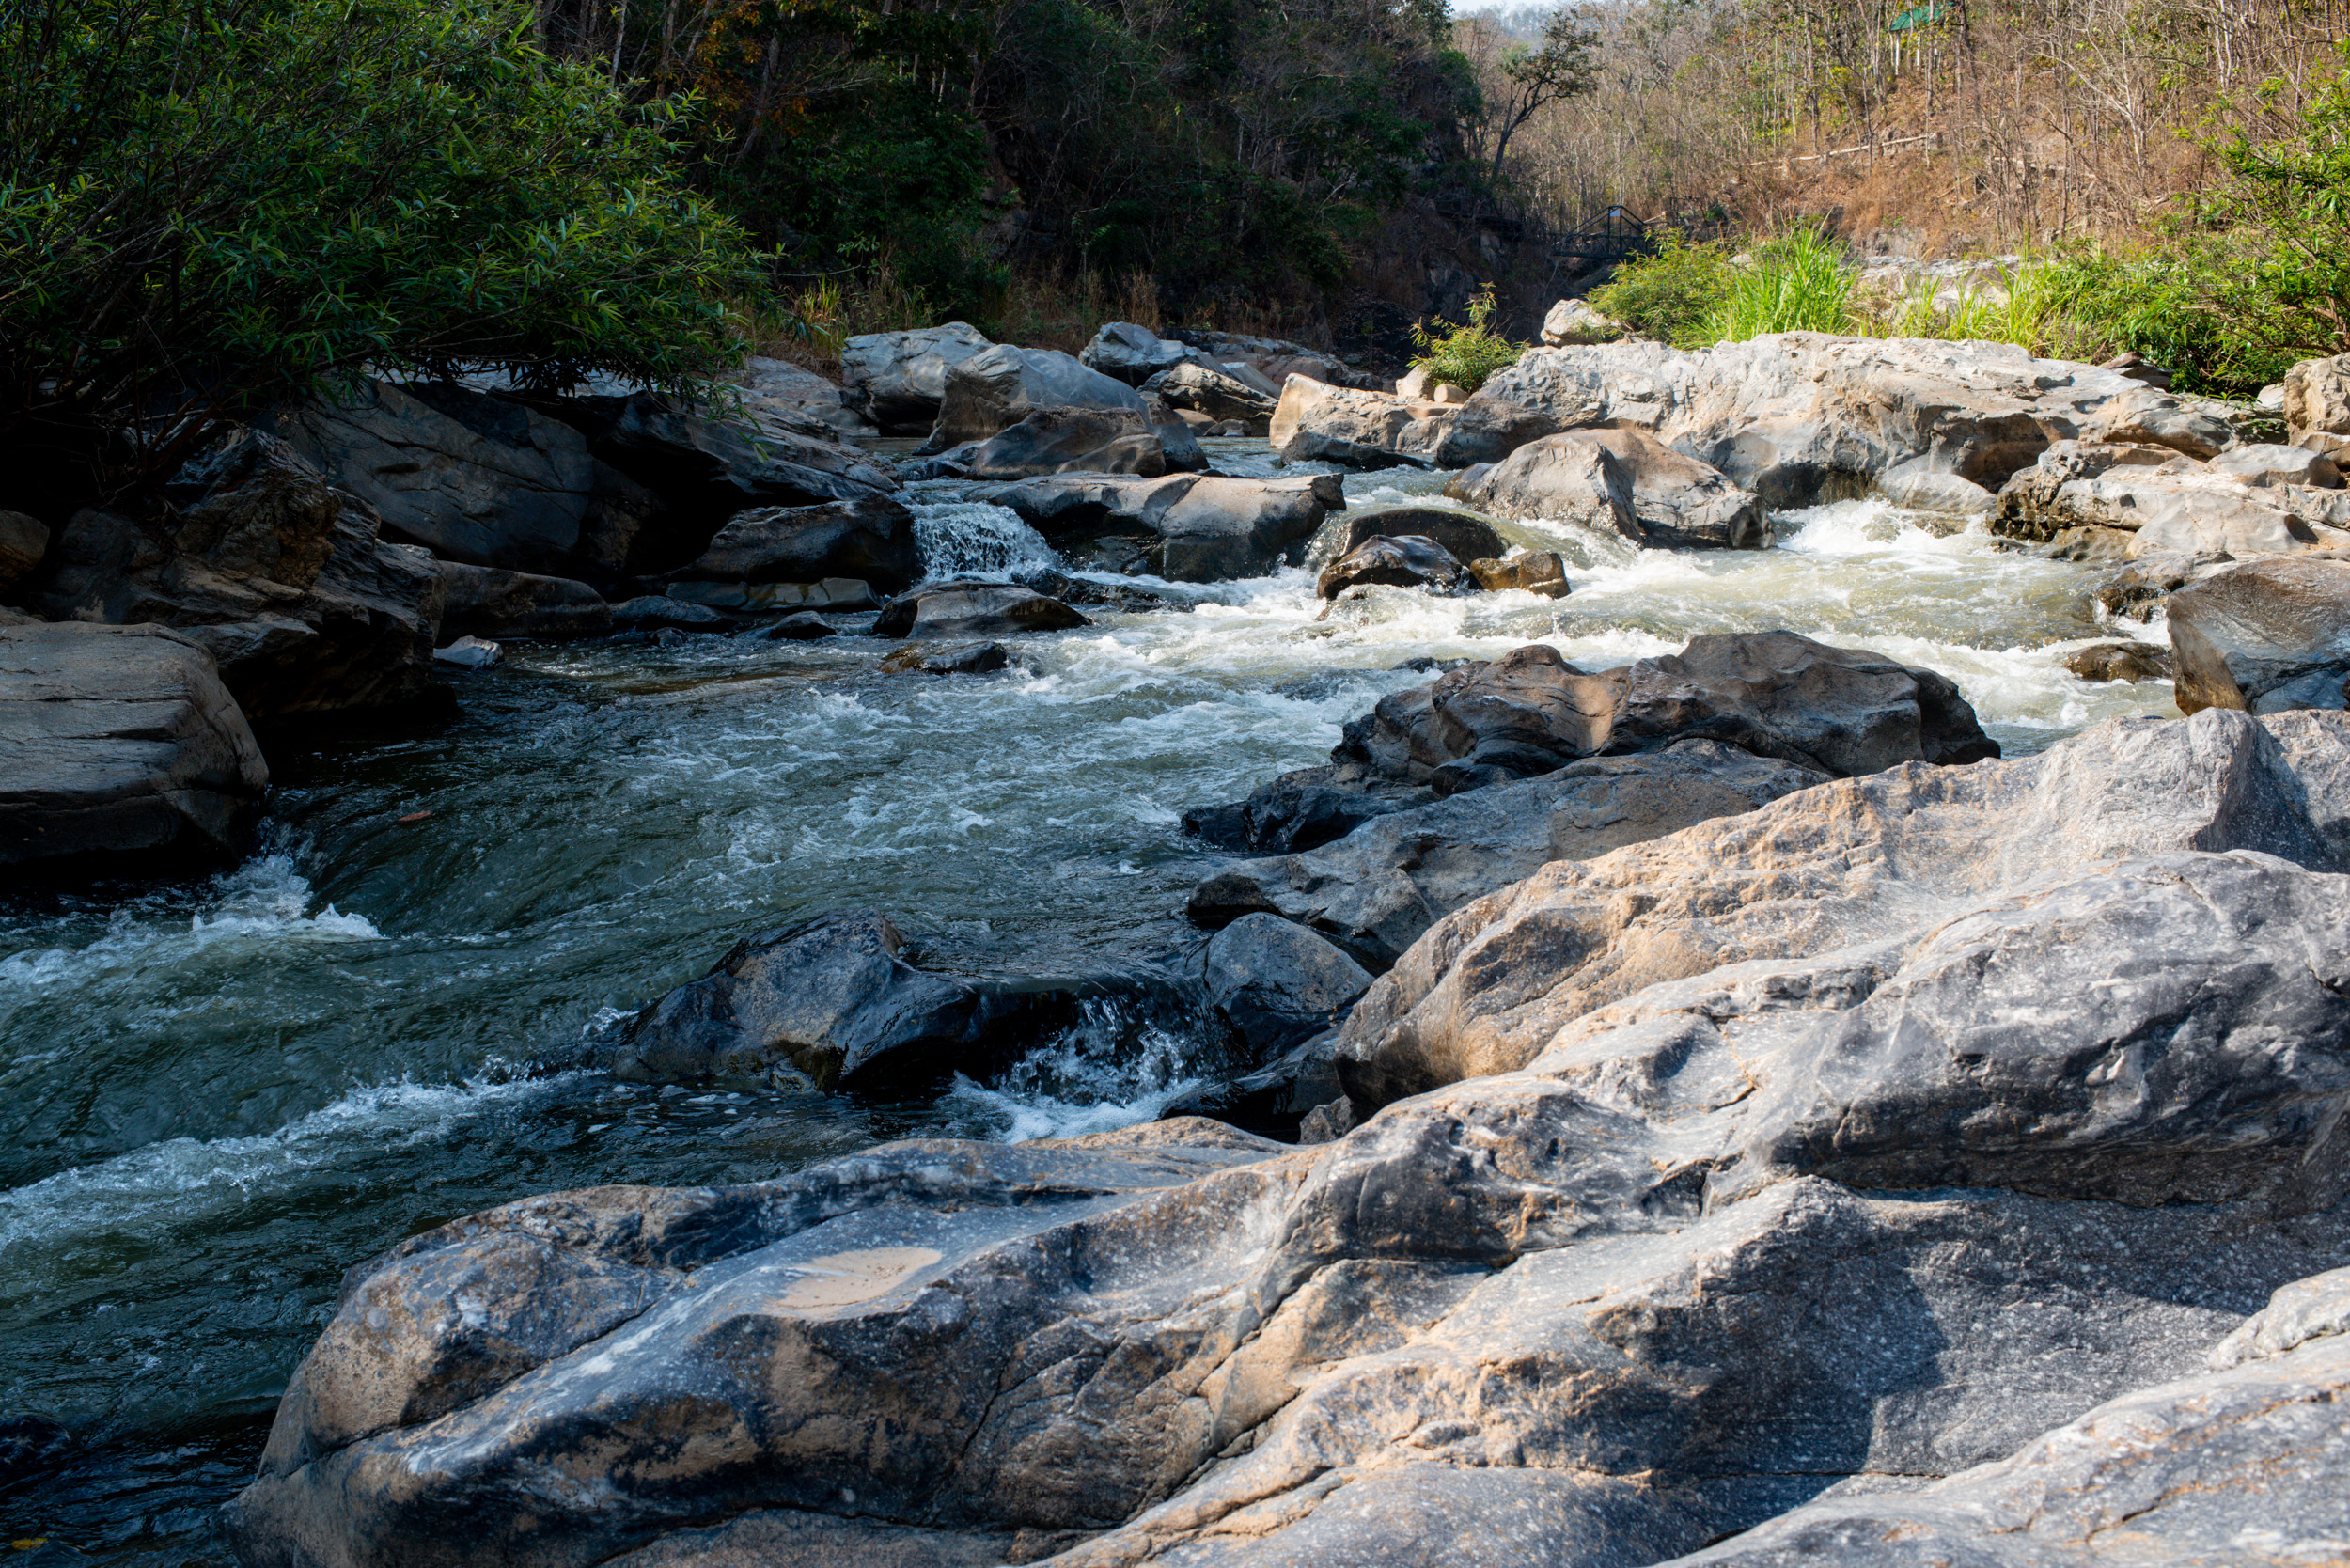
[[2121, 661], [974, 609], [1185, 527], [805, 626], [1408, 560], [1536, 571], [652, 612], [2265, 635], [978, 659], [120, 749]]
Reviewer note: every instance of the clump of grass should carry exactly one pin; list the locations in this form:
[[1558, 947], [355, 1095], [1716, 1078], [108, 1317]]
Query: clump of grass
[[1801, 281], [1468, 356]]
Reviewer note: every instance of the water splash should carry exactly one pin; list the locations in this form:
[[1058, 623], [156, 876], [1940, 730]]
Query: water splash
[[973, 537]]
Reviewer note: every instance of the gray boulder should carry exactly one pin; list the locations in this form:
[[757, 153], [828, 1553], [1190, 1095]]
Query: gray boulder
[[972, 608], [1411, 561], [1377, 889], [2119, 661], [1067, 440], [120, 747], [1465, 535], [1133, 353], [1210, 390], [22, 542], [2171, 505], [2316, 406], [778, 386], [869, 540], [2266, 636], [2277, 465], [998, 389], [1276, 984], [284, 579], [898, 379], [1622, 481], [818, 1004], [1536, 571], [483, 601], [1185, 527], [653, 612], [1316, 421]]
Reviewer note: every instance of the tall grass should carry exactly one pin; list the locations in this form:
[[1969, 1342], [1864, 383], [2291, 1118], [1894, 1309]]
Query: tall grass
[[1801, 281]]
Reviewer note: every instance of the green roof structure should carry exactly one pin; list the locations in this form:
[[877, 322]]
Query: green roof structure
[[1919, 16]]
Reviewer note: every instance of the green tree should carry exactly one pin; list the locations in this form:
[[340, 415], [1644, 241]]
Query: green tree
[[208, 204], [2291, 186]]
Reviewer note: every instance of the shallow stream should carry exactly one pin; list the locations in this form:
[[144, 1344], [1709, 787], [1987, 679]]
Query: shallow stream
[[217, 1096]]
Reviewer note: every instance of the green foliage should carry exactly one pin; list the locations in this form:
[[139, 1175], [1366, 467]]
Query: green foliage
[[1799, 281], [1669, 293], [1470, 355], [204, 203]]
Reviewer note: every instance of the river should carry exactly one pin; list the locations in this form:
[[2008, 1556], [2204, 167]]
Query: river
[[216, 1096]]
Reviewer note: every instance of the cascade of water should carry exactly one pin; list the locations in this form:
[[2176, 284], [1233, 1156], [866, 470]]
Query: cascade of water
[[968, 538]]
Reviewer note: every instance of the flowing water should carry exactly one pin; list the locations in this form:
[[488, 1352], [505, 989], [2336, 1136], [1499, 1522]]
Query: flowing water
[[216, 1096]]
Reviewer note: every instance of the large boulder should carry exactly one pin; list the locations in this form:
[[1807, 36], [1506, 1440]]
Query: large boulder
[[2317, 405], [898, 379], [286, 580], [1465, 535], [1275, 984], [1800, 417], [816, 1004], [1133, 353], [24, 540], [1185, 527], [1623, 481], [1837, 711], [1066, 441], [1805, 1222], [1410, 560], [1375, 890], [495, 606], [778, 386], [978, 609], [120, 748], [1575, 321], [870, 539], [1839, 881], [2167, 503], [1314, 420], [998, 389], [1210, 390], [2268, 635]]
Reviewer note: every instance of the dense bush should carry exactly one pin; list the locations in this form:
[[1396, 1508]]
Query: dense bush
[[205, 203], [1470, 355], [1669, 293]]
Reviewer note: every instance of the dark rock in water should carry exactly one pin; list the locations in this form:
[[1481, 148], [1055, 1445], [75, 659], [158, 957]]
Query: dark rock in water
[[1407, 561], [1301, 809], [1185, 527], [968, 608], [807, 626], [119, 741], [1538, 571], [1924, 1115], [980, 659], [469, 654], [870, 539], [1526, 713], [485, 602], [2146, 584], [998, 388], [285, 581], [2121, 661], [1375, 890], [1465, 535], [22, 542], [2265, 635], [1276, 984], [1085, 590], [652, 612], [826, 1001], [1278, 1100], [1063, 441], [1209, 390]]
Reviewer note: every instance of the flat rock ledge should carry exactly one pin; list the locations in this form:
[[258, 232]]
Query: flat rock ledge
[[1990, 1213]]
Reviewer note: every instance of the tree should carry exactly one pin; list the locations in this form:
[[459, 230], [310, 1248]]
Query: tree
[[1531, 77], [206, 205]]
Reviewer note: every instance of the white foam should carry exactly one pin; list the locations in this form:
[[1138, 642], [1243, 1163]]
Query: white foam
[[963, 537]]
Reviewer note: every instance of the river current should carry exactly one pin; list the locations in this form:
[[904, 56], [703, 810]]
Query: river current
[[215, 1097]]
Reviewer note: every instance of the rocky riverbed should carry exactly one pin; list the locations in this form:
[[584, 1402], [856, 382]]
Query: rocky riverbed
[[1665, 1230]]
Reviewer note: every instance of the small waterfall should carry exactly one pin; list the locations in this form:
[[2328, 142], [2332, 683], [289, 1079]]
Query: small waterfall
[[959, 538]]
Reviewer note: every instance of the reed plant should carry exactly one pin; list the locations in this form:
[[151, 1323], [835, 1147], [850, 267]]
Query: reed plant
[[1799, 281]]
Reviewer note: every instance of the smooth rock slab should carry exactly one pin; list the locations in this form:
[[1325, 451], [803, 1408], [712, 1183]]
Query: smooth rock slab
[[483, 601], [120, 743], [869, 540], [975, 609], [1407, 560], [2267, 637]]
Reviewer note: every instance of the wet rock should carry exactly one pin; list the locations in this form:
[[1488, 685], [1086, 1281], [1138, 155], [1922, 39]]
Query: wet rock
[[980, 659], [1064, 441], [1411, 561], [1301, 809], [869, 541], [285, 580], [1465, 535], [805, 626], [469, 654], [2144, 586], [2265, 635], [1917, 488], [2316, 405], [653, 612], [831, 593], [1575, 321], [1276, 984], [1071, 590], [1802, 418], [1000, 386], [1314, 420], [122, 750], [1133, 353], [1188, 528], [898, 379], [1378, 887], [823, 1002], [484, 603], [1620, 481], [1536, 571], [1492, 984], [1209, 390], [2090, 544], [2119, 661], [973, 609], [22, 542]]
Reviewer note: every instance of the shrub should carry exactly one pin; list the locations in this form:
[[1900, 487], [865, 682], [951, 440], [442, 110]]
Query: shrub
[[205, 204], [1669, 293], [1466, 357]]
